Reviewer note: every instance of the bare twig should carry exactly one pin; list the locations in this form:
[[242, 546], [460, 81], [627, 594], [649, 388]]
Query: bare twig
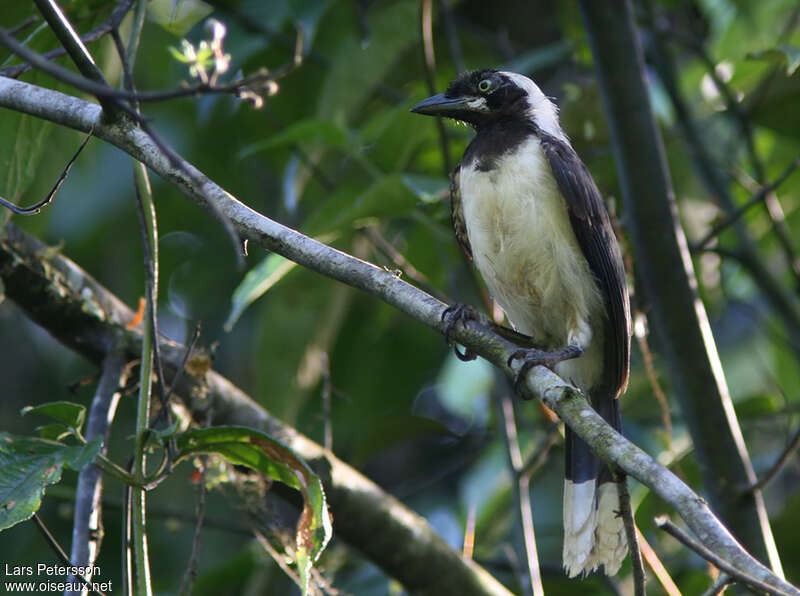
[[773, 470], [758, 197], [655, 564], [664, 523], [523, 489], [187, 583], [655, 384], [719, 585], [429, 57], [327, 391], [87, 524], [37, 207], [60, 553], [452, 35], [539, 455], [112, 23], [631, 532]]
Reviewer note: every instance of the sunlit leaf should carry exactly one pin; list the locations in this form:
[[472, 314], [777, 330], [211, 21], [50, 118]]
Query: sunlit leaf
[[785, 55], [29, 465], [429, 189], [177, 16], [257, 450], [256, 283], [68, 413]]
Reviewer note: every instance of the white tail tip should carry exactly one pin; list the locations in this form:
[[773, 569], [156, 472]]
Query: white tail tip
[[594, 533]]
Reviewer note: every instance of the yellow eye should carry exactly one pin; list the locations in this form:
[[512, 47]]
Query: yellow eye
[[484, 85]]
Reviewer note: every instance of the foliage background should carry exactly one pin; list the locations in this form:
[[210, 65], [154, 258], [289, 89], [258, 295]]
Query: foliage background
[[336, 154]]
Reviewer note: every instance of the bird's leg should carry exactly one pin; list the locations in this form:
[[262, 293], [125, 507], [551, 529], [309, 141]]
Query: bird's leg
[[451, 316], [534, 357]]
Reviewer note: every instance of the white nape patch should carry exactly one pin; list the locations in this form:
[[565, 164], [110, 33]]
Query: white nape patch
[[580, 521], [610, 541], [541, 110]]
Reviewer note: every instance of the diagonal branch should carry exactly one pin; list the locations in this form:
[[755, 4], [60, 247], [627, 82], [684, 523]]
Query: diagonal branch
[[553, 391]]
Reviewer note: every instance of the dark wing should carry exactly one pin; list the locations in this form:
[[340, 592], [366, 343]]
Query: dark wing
[[457, 212], [594, 233]]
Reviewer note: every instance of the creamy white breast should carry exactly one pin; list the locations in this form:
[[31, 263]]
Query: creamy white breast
[[524, 247]]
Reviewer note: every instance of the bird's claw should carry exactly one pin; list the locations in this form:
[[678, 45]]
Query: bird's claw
[[451, 316], [534, 357]]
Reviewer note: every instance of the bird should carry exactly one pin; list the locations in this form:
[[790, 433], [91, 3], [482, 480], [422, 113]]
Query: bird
[[529, 215]]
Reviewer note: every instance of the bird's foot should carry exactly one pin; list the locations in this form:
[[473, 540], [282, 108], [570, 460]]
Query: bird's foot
[[534, 357], [452, 316]]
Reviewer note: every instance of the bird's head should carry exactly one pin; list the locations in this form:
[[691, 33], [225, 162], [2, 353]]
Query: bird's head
[[482, 97]]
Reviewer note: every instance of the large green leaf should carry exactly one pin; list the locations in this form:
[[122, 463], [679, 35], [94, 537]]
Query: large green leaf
[[248, 447], [28, 466], [65, 412]]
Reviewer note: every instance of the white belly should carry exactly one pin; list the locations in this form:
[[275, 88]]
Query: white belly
[[525, 250]]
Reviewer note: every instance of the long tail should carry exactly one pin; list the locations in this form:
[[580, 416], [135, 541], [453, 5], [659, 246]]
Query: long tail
[[594, 533]]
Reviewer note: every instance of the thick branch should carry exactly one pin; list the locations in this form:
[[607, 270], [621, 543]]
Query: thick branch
[[350, 494]]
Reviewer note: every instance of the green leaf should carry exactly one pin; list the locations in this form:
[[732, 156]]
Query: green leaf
[[256, 283], [29, 465], [387, 197], [429, 189], [358, 66], [53, 432], [20, 152], [783, 54], [310, 129], [177, 16], [68, 413], [248, 447]]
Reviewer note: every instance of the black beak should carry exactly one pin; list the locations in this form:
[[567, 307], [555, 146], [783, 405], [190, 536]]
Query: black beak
[[439, 105]]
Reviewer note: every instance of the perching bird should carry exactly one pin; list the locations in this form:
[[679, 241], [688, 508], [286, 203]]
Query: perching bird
[[528, 213]]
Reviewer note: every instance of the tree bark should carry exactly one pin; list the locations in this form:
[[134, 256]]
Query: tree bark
[[666, 273]]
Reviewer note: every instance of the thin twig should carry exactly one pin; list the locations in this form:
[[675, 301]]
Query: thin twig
[[327, 391], [429, 62], [62, 555], [523, 498], [626, 512], [187, 583], [657, 567], [539, 455], [664, 523], [773, 470], [655, 384], [112, 23], [77, 51], [758, 197], [37, 207], [723, 581], [452, 35]]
